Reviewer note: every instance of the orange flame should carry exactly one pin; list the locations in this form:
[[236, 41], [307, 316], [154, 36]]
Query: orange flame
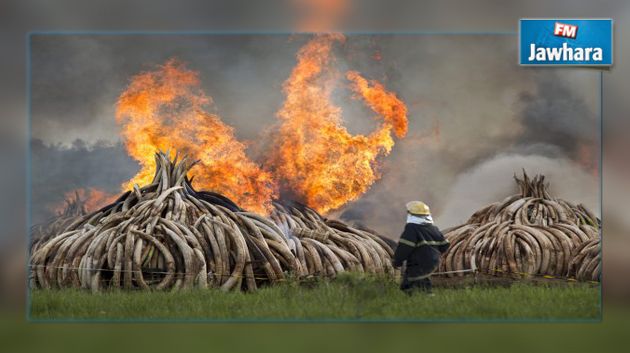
[[385, 103], [315, 158], [318, 160], [165, 109]]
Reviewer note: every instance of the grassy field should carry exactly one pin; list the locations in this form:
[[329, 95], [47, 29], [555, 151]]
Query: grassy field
[[347, 298]]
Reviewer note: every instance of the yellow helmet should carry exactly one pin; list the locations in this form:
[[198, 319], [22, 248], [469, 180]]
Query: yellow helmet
[[418, 208]]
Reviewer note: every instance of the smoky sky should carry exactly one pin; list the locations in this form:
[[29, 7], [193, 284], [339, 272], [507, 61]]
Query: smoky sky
[[58, 169], [77, 79], [554, 115], [468, 102]]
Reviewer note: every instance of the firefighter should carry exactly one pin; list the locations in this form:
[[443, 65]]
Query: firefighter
[[420, 245]]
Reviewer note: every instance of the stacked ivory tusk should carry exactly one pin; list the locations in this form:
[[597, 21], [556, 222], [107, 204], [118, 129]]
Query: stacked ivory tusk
[[586, 264], [75, 207], [530, 233], [167, 235]]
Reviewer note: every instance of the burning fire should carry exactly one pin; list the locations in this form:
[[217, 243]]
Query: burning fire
[[385, 103], [317, 159], [165, 109]]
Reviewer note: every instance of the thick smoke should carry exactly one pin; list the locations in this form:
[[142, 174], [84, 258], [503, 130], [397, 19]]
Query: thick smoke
[[556, 114], [492, 181]]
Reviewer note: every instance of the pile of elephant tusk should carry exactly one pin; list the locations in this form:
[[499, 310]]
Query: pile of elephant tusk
[[167, 235], [530, 233], [586, 264]]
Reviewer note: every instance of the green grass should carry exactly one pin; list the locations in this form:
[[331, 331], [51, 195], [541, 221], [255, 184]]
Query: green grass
[[347, 298]]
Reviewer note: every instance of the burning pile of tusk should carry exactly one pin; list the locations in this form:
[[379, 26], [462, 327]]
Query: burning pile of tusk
[[74, 207], [531, 233], [167, 235]]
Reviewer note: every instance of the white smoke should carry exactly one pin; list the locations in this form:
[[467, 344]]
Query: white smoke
[[492, 181]]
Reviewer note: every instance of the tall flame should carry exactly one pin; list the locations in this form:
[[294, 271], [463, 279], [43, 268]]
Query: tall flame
[[316, 158], [165, 109]]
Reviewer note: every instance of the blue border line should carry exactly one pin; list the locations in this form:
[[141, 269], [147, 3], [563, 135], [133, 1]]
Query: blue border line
[[263, 320], [601, 193], [28, 176]]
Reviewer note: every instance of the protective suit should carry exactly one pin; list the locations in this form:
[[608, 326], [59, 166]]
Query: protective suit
[[420, 245]]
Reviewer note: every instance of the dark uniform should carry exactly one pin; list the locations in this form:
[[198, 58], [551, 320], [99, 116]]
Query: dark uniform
[[420, 245]]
